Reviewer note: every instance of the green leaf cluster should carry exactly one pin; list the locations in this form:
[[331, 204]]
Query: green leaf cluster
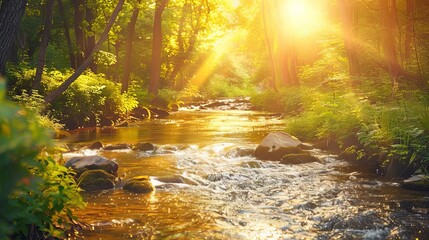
[[37, 194]]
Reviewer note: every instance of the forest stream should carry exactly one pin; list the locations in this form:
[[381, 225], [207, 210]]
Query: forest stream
[[204, 191]]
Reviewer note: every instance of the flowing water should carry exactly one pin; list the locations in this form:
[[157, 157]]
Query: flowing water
[[204, 191]]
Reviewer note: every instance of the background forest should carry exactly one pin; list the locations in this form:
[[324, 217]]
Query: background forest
[[347, 74]]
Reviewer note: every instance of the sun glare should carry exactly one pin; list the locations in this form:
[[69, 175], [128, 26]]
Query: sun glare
[[303, 17]]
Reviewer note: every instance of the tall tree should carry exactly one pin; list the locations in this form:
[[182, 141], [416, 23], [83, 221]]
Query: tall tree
[[79, 31], [67, 34], [349, 23], [57, 92], [389, 39], [269, 41], [49, 11], [90, 36], [129, 48], [155, 70], [11, 12], [287, 55]]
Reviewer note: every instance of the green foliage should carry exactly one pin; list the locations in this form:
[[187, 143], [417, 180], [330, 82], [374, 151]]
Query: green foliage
[[36, 192], [85, 103], [222, 86], [287, 100], [190, 93], [35, 104], [327, 116]]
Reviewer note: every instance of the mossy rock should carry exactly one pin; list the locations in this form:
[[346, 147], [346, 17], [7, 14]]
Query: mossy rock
[[93, 180], [140, 184], [298, 158], [84, 163], [265, 153], [277, 144], [147, 146]]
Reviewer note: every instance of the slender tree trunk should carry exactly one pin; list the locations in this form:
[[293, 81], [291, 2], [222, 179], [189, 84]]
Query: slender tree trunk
[[129, 49], [269, 42], [49, 11], [90, 38], [67, 34], [11, 12], [409, 31], [57, 92], [389, 39], [349, 24], [78, 31], [155, 71]]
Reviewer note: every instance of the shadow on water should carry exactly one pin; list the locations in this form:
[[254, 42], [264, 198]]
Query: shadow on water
[[204, 193]]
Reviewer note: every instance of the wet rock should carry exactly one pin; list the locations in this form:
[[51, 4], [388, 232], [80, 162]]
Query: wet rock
[[147, 146], [174, 107], [140, 184], [251, 164], [85, 163], [119, 146], [276, 145], [306, 206], [216, 104], [240, 152], [122, 124], [93, 180], [140, 112], [161, 113], [298, 158], [417, 183], [96, 145]]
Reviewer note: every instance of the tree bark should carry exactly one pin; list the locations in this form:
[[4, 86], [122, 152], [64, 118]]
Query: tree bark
[[129, 49], [388, 24], [349, 24], [155, 70], [78, 31], [49, 11], [272, 81], [67, 35], [409, 30], [90, 38], [11, 12], [57, 92]]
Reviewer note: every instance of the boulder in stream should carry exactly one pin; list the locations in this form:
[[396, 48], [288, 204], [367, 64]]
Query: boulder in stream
[[85, 163], [298, 158], [93, 180], [417, 183], [160, 113], [96, 145], [277, 144], [140, 184], [146, 146], [119, 146]]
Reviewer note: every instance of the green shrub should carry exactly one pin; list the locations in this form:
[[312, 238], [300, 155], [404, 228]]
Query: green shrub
[[36, 192]]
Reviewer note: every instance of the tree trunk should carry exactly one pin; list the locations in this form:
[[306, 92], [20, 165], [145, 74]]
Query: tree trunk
[[155, 70], [129, 49], [67, 35], [44, 44], [409, 31], [78, 31], [55, 93], [349, 24], [11, 12], [90, 39], [388, 25], [269, 42]]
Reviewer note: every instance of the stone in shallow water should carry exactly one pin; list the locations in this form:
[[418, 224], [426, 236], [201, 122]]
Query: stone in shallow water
[[140, 184], [93, 180], [146, 146], [277, 144], [119, 146], [299, 158], [85, 163]]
